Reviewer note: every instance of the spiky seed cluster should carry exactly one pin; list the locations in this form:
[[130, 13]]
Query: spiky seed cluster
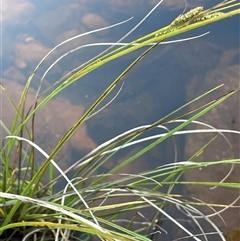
[[207, 16], [187, 16], [190, 16]]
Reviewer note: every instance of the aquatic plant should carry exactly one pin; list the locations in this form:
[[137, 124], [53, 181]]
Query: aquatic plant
[[32, 210]]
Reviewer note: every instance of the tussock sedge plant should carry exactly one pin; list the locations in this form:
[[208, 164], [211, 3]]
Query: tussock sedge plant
[[31, 209]]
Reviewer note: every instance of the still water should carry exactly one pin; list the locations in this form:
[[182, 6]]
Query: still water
[[164, 80]]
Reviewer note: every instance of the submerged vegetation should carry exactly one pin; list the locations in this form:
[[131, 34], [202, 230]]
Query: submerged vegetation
[[91, 205]]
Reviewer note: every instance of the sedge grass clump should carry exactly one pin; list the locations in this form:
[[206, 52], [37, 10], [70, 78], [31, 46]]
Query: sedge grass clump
[[31, 209]]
